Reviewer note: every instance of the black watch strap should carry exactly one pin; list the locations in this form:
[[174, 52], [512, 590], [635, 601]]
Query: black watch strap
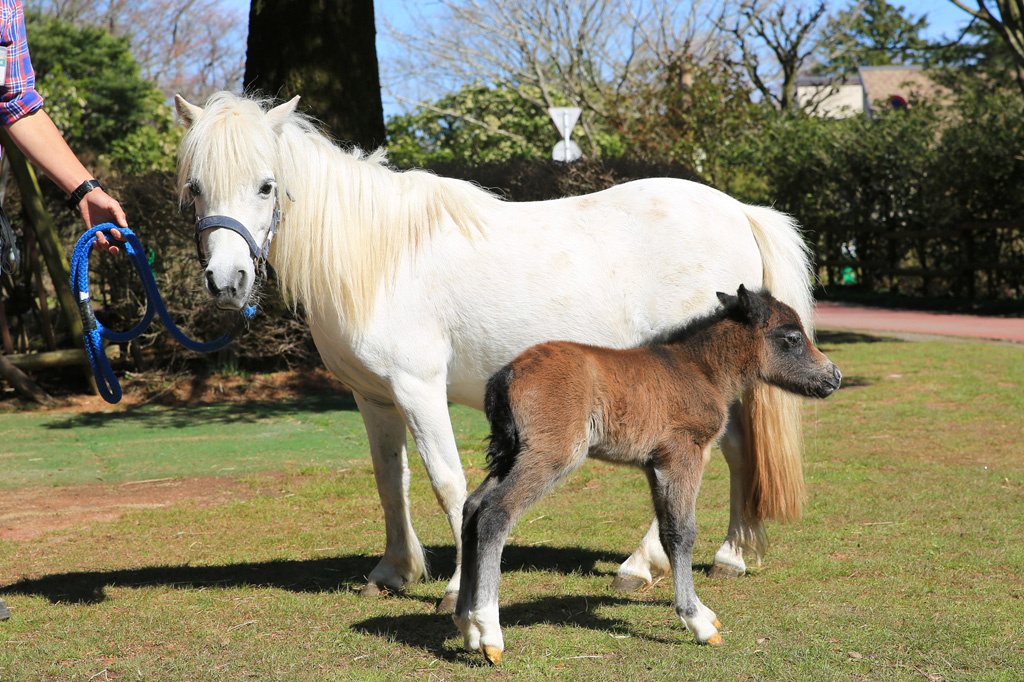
[[76, 197]]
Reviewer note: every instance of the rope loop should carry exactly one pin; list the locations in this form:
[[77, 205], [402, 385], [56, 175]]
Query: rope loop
[[93, 330]]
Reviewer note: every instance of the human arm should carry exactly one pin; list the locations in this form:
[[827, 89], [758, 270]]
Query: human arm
[[40, 140]]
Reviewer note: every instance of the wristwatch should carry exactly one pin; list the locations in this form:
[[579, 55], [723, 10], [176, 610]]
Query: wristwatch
[[76, 197]]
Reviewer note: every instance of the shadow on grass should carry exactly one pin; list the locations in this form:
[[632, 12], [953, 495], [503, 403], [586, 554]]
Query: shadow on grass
[[344, 573], [197, 415], [826, 337], [431, 632]]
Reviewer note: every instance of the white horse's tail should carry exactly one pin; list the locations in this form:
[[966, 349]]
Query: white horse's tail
[[774, 486]]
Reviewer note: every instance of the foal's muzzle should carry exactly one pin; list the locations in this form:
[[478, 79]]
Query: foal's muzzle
[[829, 383]]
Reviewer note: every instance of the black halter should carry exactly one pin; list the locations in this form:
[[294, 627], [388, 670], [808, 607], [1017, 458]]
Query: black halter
[[259, 253]]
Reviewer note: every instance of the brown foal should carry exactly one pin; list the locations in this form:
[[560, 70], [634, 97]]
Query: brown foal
[[659, 407]]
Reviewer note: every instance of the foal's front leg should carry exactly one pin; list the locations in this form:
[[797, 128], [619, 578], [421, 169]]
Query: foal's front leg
[[674, 487], [649, 561]]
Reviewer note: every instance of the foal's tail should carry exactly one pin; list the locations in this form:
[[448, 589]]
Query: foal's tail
[[772, 421], [503, 445]]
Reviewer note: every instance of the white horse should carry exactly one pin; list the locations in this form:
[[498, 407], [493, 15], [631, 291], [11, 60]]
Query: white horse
[[417, 288]]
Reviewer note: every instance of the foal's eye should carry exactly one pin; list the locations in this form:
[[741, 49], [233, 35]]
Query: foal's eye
[[266, 188], [794, 340]]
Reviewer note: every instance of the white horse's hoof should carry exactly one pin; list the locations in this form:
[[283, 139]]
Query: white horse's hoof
[[725, 571], [372, 590], [625, 584], [447, 603]]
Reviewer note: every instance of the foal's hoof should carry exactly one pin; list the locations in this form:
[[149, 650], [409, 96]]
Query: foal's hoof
[[625, 584], [725, 571], [493, 654], [447, 603]]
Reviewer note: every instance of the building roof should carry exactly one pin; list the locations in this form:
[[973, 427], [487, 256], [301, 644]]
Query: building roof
[[885, 82]]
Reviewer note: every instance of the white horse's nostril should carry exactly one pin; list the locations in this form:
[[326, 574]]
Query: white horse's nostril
[[211, 285]]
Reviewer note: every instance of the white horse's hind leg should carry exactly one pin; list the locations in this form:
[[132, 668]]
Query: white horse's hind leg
[[647, 563], [425, 406], [744, 532], [403, 560], [650, 562]]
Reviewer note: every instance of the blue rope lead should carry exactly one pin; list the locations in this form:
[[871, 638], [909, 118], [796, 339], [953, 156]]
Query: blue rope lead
[[94, 332]]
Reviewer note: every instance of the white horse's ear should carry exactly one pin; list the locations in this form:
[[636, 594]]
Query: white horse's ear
[[277, 115], [188, 113]]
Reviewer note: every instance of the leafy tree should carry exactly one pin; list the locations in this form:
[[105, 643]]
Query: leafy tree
[[188, 47], [873, 33], [694, 114], [979, 60], [477, 124], [95, 94]]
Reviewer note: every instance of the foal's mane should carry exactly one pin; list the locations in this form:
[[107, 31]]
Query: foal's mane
[[353, 219], [699, 324]]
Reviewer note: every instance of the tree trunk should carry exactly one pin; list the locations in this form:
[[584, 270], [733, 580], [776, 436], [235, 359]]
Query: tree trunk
[[21, 383], [326, 52], [47, 240], [56, 359]]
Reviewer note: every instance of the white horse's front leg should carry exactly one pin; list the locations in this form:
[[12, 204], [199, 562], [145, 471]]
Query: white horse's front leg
[[425, 405], [403, 560]]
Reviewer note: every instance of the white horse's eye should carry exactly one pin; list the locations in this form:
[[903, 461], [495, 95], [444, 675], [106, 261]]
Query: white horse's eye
[[266, 188], [193, 188]]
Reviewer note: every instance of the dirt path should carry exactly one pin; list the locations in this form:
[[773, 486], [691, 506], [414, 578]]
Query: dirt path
[[847, 316], [31, 511]]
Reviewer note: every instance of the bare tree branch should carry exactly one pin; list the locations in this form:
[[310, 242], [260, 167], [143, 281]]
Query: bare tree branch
[[585, 53], [790, 38], [1009, 25], [192, 47]]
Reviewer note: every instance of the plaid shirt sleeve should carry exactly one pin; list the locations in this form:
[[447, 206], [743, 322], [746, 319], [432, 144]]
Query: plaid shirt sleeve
[[18, 94]]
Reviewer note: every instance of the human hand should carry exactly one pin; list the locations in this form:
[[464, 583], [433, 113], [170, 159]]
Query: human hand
[[98, 207], [102, 244]]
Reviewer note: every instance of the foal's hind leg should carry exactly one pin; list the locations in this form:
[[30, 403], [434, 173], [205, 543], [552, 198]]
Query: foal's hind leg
[[489, 519], [467, 594], [674, 486]]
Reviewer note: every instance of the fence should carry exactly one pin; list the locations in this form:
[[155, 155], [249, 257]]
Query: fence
[[975, 261]]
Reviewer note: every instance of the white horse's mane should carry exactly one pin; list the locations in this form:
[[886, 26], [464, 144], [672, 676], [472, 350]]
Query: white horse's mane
[[352, 219]]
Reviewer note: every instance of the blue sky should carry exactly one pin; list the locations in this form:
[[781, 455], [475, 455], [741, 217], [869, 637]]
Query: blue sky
[[944, 18]]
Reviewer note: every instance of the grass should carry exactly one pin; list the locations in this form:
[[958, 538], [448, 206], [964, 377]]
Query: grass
[[908, 564]]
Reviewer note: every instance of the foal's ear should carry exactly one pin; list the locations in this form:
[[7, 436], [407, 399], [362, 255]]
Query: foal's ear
[[188, 113], [276, 116], [727, 300], [755, 307]]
